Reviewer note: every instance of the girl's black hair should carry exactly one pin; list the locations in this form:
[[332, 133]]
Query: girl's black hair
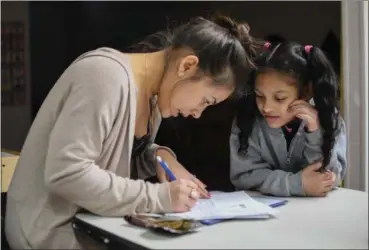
[[307, 66], [220, 43]]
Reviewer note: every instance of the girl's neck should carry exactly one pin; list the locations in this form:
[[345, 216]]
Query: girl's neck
[[292, 126]]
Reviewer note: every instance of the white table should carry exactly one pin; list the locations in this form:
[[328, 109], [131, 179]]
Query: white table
[[338, 221]]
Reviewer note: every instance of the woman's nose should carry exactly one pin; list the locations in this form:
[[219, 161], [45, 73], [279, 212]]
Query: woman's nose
[[196, 113]]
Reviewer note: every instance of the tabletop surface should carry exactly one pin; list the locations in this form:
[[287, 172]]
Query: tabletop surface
[[339, 220]]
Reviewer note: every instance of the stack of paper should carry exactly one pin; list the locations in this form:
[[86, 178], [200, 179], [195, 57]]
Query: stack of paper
[[221, 205]]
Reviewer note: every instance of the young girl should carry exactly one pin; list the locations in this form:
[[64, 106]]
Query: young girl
[[288, 138]]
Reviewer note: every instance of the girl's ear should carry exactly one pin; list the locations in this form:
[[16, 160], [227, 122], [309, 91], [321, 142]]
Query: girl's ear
[[308, 92]]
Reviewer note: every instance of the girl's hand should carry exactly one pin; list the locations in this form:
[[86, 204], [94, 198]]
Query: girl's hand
[[303, 110], [331, 176], [316, 183]]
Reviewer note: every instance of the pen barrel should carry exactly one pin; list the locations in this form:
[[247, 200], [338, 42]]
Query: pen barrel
[[168, 171], [171, 176]]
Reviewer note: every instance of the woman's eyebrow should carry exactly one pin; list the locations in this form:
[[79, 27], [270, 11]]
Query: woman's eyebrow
[[214, 100]]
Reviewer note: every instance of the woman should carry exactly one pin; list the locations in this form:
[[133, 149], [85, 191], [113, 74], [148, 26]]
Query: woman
[[104, 110]]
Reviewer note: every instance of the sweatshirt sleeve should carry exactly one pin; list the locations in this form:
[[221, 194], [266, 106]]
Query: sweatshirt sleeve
[[251, 172], [338, 160], [99, 86]]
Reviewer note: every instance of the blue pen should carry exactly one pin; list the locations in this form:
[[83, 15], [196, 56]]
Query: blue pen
[[164, 165]]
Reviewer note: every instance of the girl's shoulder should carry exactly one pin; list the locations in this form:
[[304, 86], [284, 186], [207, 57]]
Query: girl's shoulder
[[257, 124]]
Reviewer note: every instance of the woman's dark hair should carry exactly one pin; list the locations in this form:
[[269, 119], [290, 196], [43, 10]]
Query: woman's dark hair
[[308, 65], [221, 45]]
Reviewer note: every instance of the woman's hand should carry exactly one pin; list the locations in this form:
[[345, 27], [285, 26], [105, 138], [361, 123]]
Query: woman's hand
[[184, 195], [179, 172]]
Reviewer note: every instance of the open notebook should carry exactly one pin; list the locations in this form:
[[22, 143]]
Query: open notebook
[[222, 205]]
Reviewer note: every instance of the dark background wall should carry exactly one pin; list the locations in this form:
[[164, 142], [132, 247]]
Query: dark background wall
[[60, 31]]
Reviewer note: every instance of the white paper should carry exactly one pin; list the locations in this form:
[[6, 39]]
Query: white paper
[[226, 206]]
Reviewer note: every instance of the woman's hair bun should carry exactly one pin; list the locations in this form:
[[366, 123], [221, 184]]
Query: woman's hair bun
[[239, 30]]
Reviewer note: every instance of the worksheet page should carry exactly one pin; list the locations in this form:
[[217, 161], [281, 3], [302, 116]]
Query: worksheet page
[[223, 205]]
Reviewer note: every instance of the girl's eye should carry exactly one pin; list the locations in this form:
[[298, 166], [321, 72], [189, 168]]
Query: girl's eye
[[281, 99]]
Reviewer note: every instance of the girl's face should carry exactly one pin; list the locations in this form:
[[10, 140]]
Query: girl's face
[[274, 94], [184, 93]]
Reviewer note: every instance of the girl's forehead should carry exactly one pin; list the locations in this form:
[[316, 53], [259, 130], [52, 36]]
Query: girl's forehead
[[276, 78], [275, 82]]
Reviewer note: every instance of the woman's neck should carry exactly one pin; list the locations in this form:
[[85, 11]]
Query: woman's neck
[[148, 70]]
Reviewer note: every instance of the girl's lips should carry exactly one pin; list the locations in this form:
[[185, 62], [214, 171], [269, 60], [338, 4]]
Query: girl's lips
[[271, 118]]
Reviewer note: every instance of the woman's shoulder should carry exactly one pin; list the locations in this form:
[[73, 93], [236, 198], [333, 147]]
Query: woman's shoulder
[[106, 55], [107, 65], [99, 74]]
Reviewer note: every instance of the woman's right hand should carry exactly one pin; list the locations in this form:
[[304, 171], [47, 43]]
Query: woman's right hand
[[184, 195]]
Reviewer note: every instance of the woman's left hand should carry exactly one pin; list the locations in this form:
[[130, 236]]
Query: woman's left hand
[[179, 172], [303, 110]]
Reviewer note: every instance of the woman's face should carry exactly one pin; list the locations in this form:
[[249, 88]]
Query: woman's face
[[184, 93]]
